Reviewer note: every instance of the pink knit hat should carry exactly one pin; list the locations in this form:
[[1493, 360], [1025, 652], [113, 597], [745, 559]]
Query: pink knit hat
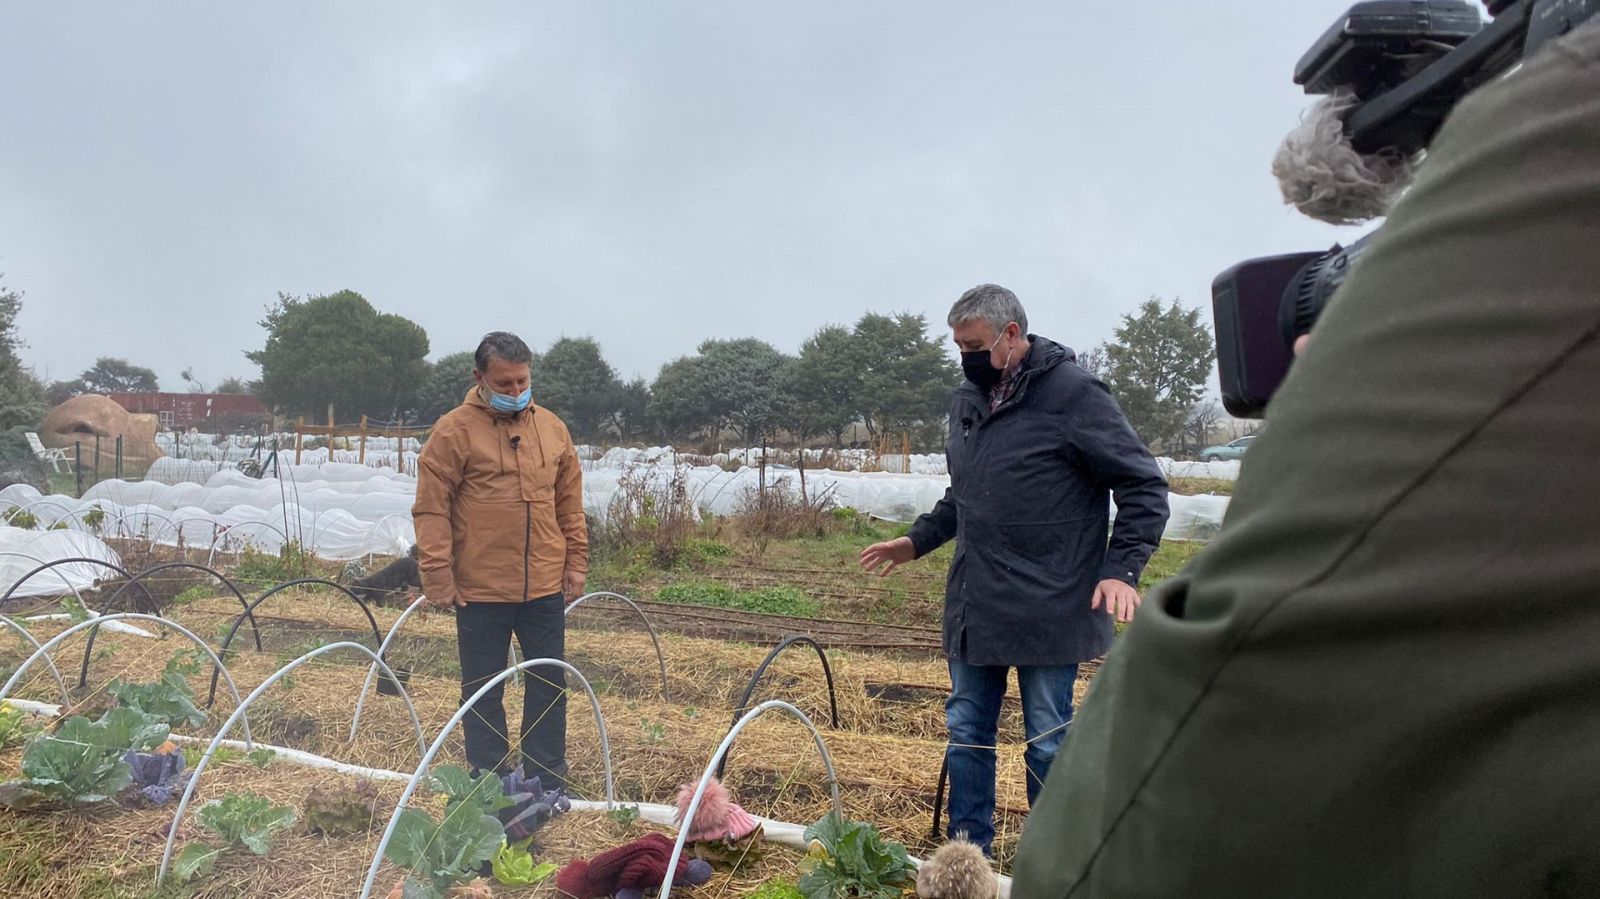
[[718, 817]]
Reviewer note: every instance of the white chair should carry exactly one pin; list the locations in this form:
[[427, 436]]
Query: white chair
[[55, 458]]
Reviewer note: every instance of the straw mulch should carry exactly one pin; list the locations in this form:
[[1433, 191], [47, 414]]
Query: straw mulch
[[887, 749], [114, 852]]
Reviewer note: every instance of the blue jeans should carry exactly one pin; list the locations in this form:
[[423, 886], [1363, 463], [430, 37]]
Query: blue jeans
[[972, 714]]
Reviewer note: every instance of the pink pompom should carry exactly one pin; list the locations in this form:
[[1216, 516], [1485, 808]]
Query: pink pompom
[[718, 816]]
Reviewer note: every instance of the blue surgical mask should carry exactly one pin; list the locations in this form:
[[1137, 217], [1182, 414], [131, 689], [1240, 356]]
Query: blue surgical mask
[[510, 404]]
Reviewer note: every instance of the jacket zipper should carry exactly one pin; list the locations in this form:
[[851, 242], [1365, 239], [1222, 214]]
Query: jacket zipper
[[527, 547]]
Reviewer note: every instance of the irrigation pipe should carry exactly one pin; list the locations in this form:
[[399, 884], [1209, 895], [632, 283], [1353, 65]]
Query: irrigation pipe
[[755, 681], [450, 726], [661, 659], [716, 759], [222, 733], [53, 642]]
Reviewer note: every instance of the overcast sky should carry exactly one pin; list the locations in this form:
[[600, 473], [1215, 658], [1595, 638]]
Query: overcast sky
[[650, 173]]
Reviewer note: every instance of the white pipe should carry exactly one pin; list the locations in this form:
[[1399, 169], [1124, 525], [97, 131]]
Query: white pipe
[[115, 627]]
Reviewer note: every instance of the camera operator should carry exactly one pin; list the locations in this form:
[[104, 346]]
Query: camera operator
[[1383, 678]]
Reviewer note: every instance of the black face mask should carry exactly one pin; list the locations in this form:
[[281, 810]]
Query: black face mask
[[979, 370]]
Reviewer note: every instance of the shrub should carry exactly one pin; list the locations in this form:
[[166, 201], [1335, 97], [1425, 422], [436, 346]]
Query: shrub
[[780, 511], [647, 511], [291, 562]]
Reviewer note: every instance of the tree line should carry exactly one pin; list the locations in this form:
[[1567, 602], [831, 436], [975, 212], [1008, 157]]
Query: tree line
[[883, 376]]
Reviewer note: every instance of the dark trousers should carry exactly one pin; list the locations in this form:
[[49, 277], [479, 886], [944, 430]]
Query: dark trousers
[[483, 639]]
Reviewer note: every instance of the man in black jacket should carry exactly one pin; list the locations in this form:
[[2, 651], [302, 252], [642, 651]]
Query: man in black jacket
[[1036, 443]]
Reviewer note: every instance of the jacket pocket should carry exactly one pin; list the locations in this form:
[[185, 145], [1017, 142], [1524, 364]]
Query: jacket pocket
[[491, 538], [1047, 556]]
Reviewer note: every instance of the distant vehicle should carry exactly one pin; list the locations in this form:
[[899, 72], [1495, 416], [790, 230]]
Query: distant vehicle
[[1227, 451]]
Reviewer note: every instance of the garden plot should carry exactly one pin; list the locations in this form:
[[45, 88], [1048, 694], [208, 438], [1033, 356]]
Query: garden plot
[[887, 747]]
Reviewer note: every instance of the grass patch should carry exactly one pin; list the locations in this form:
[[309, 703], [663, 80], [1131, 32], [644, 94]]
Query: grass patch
[[1168, 560], [1197, 486], [62, 483], [780, 600]]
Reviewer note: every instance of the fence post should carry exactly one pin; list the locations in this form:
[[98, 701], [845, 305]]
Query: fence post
[[97, 458], [77, 463], [299, 425], [119, 457], [362, 458]]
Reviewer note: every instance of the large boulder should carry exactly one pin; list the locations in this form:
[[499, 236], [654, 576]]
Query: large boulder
[[75, 424]]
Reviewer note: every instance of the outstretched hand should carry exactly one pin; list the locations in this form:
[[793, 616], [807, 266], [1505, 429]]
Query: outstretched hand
[[882, 558], [1120, 600]]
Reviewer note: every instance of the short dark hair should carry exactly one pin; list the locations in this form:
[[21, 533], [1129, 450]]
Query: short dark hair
[[502, 345]]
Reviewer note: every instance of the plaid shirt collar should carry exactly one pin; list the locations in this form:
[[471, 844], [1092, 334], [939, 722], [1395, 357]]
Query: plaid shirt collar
[[1007, 386]]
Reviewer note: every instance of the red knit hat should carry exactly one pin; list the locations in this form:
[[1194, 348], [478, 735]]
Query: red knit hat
[[718, 817], [638, 865]]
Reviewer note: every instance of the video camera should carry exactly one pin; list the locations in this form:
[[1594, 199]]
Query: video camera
[[1404, 64]]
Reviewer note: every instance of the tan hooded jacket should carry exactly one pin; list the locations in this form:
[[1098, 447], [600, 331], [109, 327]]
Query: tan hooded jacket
[[499, 510]]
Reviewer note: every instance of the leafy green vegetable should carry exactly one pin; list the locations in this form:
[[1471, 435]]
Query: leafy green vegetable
[[169, 699], [246, 819], [81, 763], [446, 853], [196, 858], [777, 888], [125, 729], [193, 752], [486, 792], [624, 816], [856, 861], [514, 865], [261, 756]]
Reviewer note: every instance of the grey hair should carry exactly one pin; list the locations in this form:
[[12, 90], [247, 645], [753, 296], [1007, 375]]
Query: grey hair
[[1325, 177], [991, 303], [502, 345]]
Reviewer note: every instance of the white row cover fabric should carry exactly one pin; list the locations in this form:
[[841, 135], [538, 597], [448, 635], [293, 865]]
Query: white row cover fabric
[[49, 546], [345, 511]]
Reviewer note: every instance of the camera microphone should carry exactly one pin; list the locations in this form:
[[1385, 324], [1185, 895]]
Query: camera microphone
[[516, 441]]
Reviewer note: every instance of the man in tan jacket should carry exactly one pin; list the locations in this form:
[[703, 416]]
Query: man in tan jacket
[[501, 538]]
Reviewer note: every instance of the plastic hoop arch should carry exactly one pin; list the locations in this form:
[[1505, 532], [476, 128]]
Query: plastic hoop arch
[[53, 642], [66, 697], [716, 759], [661, 659], [755, 681], [450, 726], [222, 733], [250, 608], [383, 651]]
